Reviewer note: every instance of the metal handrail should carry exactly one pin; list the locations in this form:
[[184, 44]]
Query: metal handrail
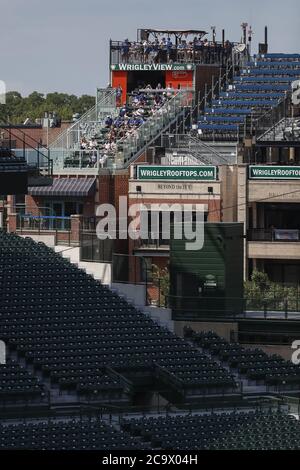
[[146, 124], [216, 85], [268, 117], [230, 66], [27, 145], [82, 119], [210, 149], [214, 52], [187, 139]]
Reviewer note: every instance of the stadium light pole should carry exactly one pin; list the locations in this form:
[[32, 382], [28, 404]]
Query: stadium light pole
[[244, 28], [250, 34], [213, 28]]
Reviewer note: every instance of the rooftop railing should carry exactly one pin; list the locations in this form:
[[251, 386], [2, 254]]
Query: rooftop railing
[[135, 143], [210, 52], [67, 152], [42, 223], [36, 155], [265, 126], [65, 148]]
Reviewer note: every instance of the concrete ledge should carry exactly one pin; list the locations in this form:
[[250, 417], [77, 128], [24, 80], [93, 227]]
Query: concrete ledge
[[136, 294], [48, 239], [274, 250]]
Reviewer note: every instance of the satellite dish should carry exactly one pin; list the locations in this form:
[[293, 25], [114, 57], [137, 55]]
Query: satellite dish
[[239, 48]]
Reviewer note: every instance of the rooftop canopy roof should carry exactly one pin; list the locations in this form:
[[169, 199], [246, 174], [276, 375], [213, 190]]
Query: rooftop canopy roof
[[177, 32]]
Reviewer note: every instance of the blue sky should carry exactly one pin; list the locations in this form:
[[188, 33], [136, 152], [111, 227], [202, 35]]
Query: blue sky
[[62, 45]]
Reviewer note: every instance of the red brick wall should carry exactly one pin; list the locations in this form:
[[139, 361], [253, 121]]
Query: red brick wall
[[142, 159], [105, 189], [214, 211], [33, 135], [32, 204], [121, 187], [111, 187], [214, 205]]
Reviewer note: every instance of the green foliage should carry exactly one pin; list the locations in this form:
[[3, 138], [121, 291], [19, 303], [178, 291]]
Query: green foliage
[[18, 108], [161, 279], [262, 293]]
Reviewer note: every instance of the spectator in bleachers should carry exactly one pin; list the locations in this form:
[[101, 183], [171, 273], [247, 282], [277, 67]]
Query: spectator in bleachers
[[164, 51], [93, 159], [119, 92], [169, 46], [83, 144], [144, 103], [181, 51], [125, 50], [155, 51]]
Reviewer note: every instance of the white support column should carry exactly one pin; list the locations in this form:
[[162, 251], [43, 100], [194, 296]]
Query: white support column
[[242, 210]]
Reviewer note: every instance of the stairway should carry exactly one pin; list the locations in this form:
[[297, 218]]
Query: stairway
[[31, 157], [286, 129], [193, 150], [56, 395]]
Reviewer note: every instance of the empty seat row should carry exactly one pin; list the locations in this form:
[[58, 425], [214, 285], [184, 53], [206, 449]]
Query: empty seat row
[[254, 430], [261, 86], [86, 327]]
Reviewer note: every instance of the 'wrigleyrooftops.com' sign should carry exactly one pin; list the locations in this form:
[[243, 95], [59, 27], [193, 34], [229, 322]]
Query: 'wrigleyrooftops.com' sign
[[200, 173], [270, 172]]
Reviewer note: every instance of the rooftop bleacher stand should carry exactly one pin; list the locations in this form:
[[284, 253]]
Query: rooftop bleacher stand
[[261, 86]]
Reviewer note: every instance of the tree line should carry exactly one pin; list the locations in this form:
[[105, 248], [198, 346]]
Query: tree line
[[18, 108]]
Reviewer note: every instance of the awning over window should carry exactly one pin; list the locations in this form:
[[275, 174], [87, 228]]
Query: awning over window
[[74, 187]]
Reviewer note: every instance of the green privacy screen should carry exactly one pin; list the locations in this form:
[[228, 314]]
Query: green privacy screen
[[208, 283]]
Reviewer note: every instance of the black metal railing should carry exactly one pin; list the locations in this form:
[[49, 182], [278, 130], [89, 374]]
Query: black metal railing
[[41, 223], [267, 123], [252, 307], [129, 269], [32, 151], [212, 52], [152, 242], [92, 249]]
